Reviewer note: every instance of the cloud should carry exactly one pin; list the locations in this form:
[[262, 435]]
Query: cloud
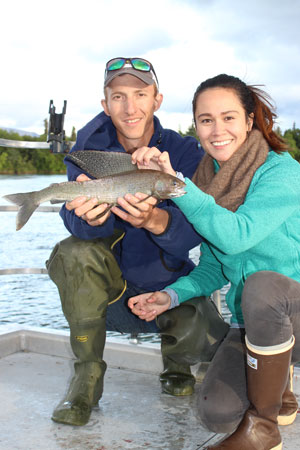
[[150, 40], [255, 23], [58, 51]]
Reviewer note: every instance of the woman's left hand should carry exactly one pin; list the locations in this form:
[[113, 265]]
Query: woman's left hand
[[152, 158], [148, 306]]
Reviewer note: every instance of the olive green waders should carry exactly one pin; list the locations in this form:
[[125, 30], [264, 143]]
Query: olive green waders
[[190, 333], [88, 279]]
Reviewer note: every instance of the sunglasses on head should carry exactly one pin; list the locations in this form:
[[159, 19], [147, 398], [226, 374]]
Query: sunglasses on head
[[137, 63]]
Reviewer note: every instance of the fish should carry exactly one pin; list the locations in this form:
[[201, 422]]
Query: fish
[[100, 163], [106, 189]]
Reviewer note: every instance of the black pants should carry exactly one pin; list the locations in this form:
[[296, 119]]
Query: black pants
[[271, 310]]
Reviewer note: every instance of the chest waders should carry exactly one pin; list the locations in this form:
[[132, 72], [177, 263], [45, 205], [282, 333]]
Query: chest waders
[[89, 279], [190, 333]]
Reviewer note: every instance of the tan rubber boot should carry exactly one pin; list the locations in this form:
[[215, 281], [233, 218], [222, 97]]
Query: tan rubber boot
[[267, 374], [289, 408]]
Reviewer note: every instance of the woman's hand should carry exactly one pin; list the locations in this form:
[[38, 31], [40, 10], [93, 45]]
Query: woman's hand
[[150, 305], [152, 158]]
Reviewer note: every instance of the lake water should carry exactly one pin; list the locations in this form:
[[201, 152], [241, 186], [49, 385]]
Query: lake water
[[33, 299]]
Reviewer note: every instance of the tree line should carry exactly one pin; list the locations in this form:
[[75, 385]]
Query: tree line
[[41, 161], [17, 161]]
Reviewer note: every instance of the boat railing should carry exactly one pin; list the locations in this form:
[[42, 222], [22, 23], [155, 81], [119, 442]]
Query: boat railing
[[24, 144]]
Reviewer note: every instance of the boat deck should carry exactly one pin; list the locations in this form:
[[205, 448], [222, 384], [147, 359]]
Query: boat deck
[[35, 366]]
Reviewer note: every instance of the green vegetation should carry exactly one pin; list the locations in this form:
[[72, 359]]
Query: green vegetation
[[291, 136], [34, 161], [41, 161], [293, 139]]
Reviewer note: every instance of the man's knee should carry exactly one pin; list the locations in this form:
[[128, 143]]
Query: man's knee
[[72, 245], [73, 248], [87, 275], [66, 250], [82, 260]]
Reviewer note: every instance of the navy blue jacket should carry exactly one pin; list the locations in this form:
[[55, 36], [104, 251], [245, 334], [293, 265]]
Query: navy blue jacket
[[146, 260]]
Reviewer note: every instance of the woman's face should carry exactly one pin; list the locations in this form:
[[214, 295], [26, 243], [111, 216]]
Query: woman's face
[[221, 122]]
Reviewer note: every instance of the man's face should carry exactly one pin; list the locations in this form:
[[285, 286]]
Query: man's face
[[131, 104]]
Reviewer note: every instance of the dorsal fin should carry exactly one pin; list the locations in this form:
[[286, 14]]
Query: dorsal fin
[[99, 163]]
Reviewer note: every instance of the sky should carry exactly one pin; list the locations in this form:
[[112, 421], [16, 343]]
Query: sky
[[57, 49]]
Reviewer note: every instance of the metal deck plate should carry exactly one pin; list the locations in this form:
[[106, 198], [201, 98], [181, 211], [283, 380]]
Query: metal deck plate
[[132, 414]]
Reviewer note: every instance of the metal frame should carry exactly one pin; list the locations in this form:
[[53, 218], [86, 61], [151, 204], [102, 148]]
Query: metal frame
[[24, 144]]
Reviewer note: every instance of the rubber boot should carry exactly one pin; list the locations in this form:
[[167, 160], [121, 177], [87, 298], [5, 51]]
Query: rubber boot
[[267, 375], [88, 279], [176, 379], [190, 333], [86, 386], [289, 408]]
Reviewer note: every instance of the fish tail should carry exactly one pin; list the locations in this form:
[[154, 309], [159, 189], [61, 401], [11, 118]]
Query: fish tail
[[27, 203]]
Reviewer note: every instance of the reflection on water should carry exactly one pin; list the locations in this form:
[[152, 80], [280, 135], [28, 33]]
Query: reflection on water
[[33, 299]]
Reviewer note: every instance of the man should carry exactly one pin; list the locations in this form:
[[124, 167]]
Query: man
[[127, 250]]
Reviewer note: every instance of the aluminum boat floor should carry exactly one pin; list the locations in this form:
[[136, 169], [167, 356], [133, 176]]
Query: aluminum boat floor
[[132, 414]]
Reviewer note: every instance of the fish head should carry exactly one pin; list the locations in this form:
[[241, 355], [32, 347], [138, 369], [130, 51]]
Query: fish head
[[168, 186]]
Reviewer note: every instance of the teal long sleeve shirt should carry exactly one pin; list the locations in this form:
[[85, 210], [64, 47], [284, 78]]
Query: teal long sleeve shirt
[[263, 234]]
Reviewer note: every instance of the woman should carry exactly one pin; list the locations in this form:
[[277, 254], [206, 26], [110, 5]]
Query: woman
[[245, 202]]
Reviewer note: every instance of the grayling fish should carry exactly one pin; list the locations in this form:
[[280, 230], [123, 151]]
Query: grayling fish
[[106, 190], [98, 163]]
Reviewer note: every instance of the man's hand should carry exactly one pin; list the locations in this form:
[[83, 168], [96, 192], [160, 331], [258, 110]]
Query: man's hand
[[87, 209], [150, 305], [142, 214], [152, 158]]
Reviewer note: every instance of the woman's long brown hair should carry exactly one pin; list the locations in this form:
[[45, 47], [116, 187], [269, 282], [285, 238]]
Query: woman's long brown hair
[[254, 100]]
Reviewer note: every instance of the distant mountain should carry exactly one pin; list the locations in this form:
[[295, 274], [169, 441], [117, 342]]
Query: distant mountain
[[20, 132]]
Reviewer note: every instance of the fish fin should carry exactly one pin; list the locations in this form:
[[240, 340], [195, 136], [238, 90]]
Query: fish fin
[[73, 158], [26, 202], [100, 163]]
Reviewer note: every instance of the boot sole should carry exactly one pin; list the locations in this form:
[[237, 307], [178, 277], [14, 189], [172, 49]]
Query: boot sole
[[278, 447], [179, 392], [69, 422], [287, 420]]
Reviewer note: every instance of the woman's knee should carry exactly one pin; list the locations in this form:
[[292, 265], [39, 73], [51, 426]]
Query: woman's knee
[[220, 410], [259, 293], [264, 302]]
